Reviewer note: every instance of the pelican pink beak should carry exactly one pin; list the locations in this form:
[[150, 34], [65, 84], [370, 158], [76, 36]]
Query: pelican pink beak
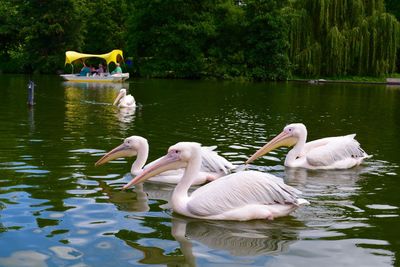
[[121, 94], [120, 151], [171, 161], [282, 139]]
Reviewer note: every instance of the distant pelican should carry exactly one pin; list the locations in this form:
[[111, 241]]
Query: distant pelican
[[124, 101], [213, 166], [341, 152], [241, 196]]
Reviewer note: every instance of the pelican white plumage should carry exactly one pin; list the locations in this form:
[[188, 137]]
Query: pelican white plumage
[[213, 165], [241, 196], [123, 100], [340, 152]]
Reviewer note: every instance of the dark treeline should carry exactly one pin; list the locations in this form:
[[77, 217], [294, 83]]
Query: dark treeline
[[223, 39]]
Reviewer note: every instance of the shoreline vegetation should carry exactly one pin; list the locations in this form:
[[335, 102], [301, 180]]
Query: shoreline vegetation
[[349, 79], [324, 81], [248, 40]]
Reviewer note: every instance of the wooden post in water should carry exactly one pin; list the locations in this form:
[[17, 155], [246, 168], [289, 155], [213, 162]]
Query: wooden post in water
[[31, 93]]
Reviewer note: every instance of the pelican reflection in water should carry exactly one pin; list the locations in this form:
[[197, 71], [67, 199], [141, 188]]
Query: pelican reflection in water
[[137, 200], [251, 242], [126, 115], [241, 239]]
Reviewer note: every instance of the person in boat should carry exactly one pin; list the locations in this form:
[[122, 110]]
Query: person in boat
[[100, 70], [93, 70], [85, 70], [117, 69]]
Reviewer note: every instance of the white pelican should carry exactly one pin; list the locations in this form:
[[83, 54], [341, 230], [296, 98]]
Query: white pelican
[[123, 100], [340, 152], [241, 196], [213, 165]]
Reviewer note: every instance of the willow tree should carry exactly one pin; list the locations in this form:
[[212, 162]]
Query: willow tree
[[341, 37]]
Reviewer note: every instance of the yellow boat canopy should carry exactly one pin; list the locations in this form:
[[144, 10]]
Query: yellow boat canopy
[[113, 56]]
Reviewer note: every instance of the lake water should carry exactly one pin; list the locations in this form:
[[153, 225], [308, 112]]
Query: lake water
[[58, 209]]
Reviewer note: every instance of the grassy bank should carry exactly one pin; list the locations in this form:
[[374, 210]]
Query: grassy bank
[[355, 79]]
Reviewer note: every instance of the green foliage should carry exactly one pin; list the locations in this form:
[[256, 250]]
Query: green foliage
[[8, 25], [393, 7], [45, 29], [340, 37], [224, 50], [48, 28], [104, 25], [167, 37], [223, 39], [9, 34], [266, 41]]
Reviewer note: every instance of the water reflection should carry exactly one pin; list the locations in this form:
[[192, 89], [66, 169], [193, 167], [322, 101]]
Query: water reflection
[[95, 85], [126, 115], [25, 258], [56, 210], [31, 119], [300, 176], [240, 239], [88, 105], [200, 241], [153, 255], [140, 197], [342, 178]]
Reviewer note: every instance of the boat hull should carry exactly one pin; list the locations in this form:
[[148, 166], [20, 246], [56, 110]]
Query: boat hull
[[120, 77]]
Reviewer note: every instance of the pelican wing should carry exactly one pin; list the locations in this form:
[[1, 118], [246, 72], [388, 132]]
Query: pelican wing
[[240, 189], [335, 149], [212, 162], [127, 101]]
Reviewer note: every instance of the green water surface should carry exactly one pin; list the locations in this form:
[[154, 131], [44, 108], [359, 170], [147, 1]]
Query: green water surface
[[58, 209]]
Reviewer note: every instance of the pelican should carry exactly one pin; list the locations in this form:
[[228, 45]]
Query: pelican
[[213, 165], [340, 152], [240, 196], [123, 100]]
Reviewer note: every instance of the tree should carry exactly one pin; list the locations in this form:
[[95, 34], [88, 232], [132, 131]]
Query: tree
[[105, 25], [224, 49], [340, 37], [8, 26], [167, 36], [266, 40], [393, 7], [222, 39], [9, 34], [50, 27]]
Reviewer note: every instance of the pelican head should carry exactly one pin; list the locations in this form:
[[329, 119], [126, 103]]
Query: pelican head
[[121, 94], [177, 157], [128, 148], [288, 137]]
